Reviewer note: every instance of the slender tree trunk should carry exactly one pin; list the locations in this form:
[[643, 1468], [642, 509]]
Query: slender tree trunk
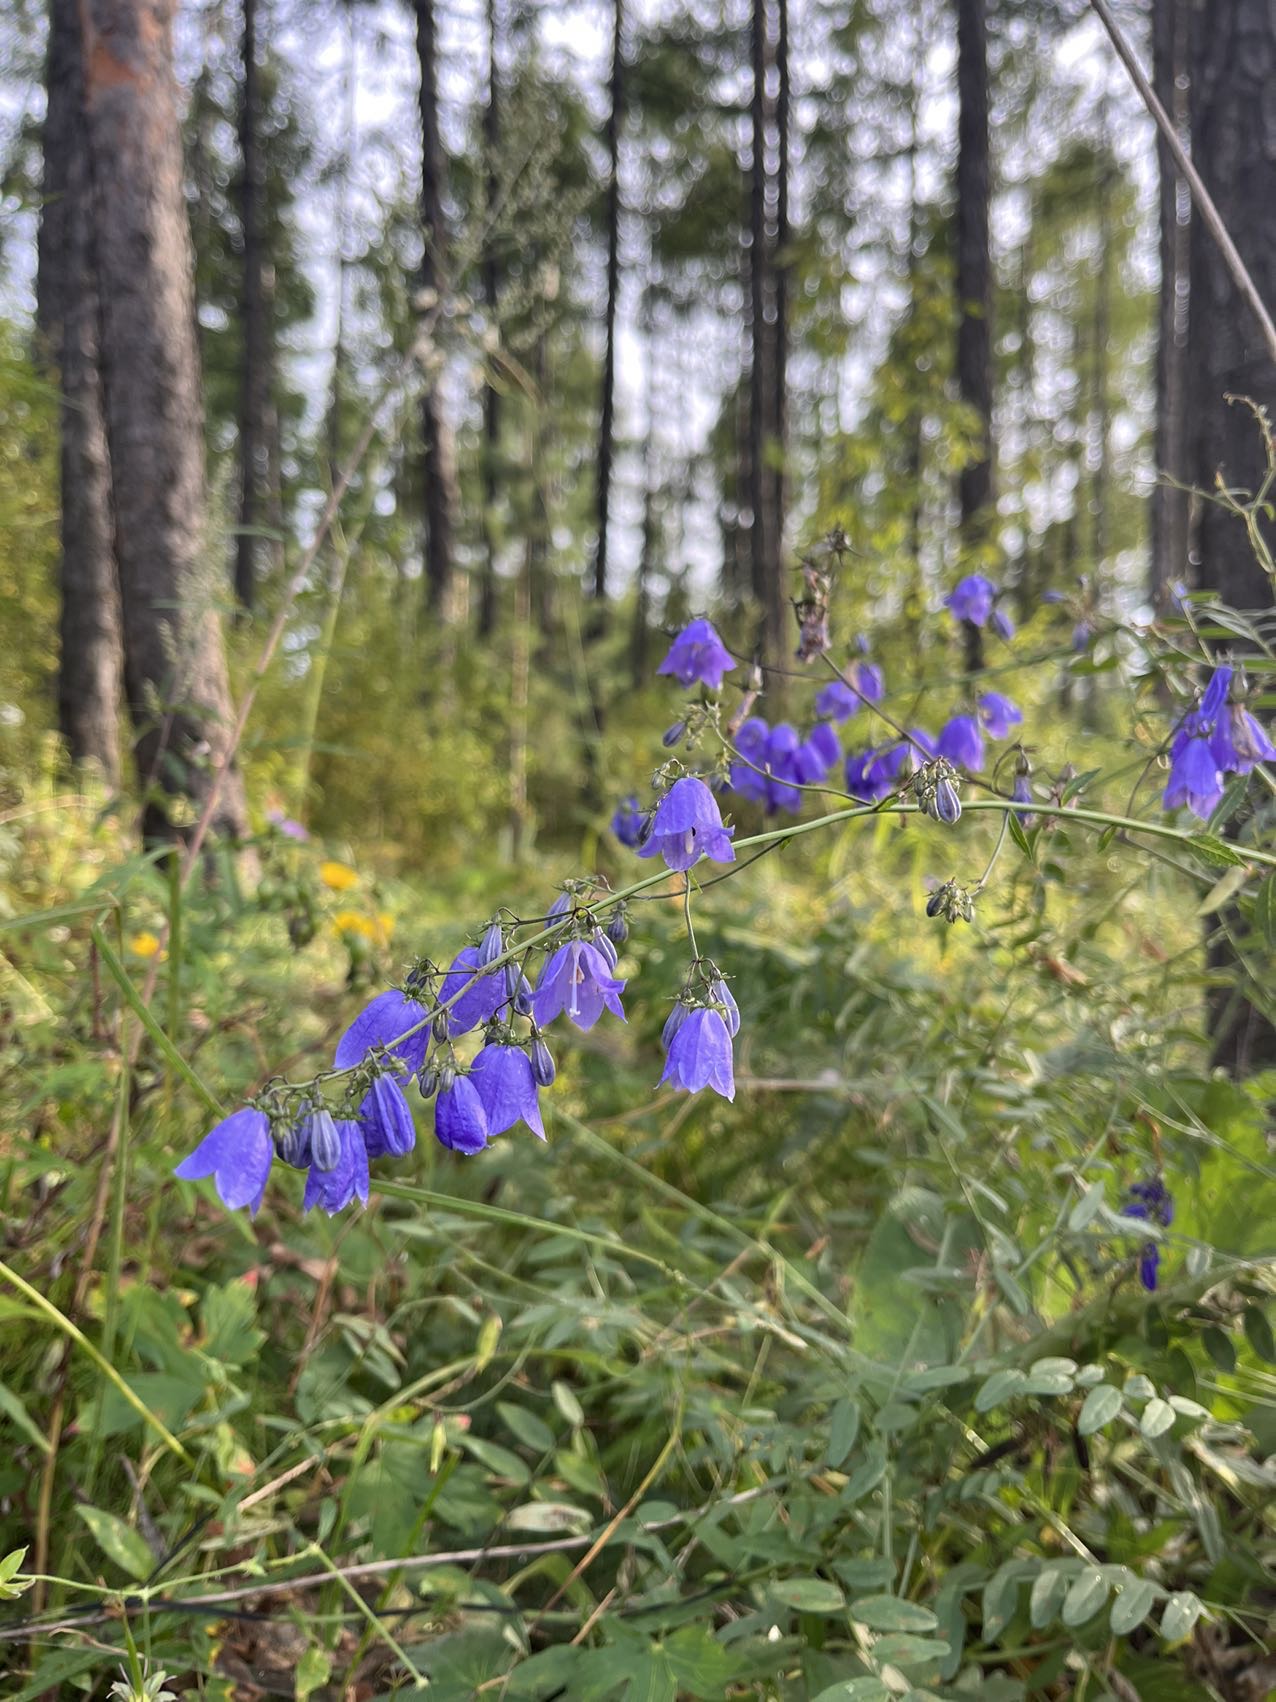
[[254, 373], [606, 430], [1100, 401], [768, 585], [1169, 506], [1233, 71], [439, 448], [90, 658], [491, 280], [174, 661], [780, 374], [974, 287]]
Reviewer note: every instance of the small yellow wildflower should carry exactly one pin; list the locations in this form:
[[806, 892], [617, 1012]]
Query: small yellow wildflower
[[144, 944], [338, 877], [350, 922]]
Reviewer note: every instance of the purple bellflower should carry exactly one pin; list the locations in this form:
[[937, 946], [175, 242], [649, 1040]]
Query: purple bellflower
[[1001, 624], [971, 599], [507, 1087], [577, 979], [629, 823], [1149, 1202], [698, 655], [1239, 741], [840, 699], [699, 1054], [386, 1120], [460, 1117], [388, 1016], [1195, 778], [237, 1154], [687, 825], [999, 714], [751, 742], [819, 752], [782, 761], [343, 1181], [480, 1000], [962, 743]]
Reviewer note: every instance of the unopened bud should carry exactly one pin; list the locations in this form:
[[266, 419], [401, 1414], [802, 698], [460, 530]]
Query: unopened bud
[[618, 927], [543, 1071], [325, 1142], [674, 735], [438, 1028], [492, 946], [428, 1082]]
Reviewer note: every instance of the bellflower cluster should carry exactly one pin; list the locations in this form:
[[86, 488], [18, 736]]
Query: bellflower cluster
[[1149, 1202], [1215, 739], [872, 775], [697, 1038], [961, 742], [774, 762]]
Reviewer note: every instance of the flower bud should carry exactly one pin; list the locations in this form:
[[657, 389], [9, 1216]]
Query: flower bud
[[720, 993], [618, 927], [325, 1142], [947, 803], [523, 996], [673, 735], [428, 1082], [492, 946], [561, 905], [439, 1026], [605, 946], [543, 1071], [293, 1146], [673, 1022], [447, 1078]]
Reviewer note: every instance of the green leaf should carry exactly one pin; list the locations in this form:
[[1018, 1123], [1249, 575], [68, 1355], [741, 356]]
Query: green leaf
[[809, 1595], [856, 1690], [229, 1316], [1001, 1599], [1085, 1597], [1258, 1333], [1181, 1614], [844, 1427], [17, 1414], [892, 1613], [8, 1568], [1100, 1407], [1049, 1588], [1265, 910], [1158, 1417], [999, 1388], [1087, 1208], [566, 1402], [1132, 1606], [313, 1669], [701, 1666], [1218, 1344], [526, 1427], [549, 1516], [867, 1475], [901, 1650], [1213, 850], [119, 1542]]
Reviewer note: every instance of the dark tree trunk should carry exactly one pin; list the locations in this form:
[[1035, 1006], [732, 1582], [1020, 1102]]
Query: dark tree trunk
[[254, 392], [67, 308], [1233, 72], [780, 374], [606, 429], [439, 448], [1169, 509], [491, 280], [768, 585], [974, 287], [174, 662]]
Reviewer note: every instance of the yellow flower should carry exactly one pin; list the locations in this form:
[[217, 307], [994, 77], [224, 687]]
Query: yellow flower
[[350, 922], [144, 944], [338, 877], [386, 924]]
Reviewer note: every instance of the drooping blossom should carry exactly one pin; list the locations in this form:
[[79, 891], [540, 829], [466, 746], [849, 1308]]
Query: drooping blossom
[[699, 1054], [961, 741], [346, 1179], [688, 825], [971, 599], [577, 979], [999, 714], [698, 655], [460, 1117], [507, 1087], [1149, 1202], [477, 1000], [629, 822], [386, 1120], [237, 1154], [389, 1016]]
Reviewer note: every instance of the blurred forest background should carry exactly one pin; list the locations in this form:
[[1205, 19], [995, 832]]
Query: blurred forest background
[[382, 384]]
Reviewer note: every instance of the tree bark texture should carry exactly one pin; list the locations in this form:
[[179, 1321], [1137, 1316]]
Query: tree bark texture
[[254, 389], [607, 419], [780, 373], [767, 572], [974, 285], [1169, 506], [90, 660], [491, 281], [174, 661], [1233, 125], [438, 445]]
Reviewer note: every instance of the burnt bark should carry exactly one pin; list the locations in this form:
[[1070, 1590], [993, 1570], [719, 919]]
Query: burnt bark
[[90, 660], [974, 288], [174, 662], [1233, 127], [1169, 505], [254, 388], [607, 412], [437, 442]]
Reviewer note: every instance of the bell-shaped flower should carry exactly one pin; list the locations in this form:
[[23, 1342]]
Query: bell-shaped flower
[[629, 823], [999, 714], [237, 1154], [346, 1180], [577, 979], [477, 1000], [817, 754], [1195, 778], [961, 742], [1001, 624], [686, 826], [506, 1085], [460, 1118], [1238, 742], [699, 1054], [971, 598], [698, 655], [751, 743], [1149, 1202], [782, 764], [390, 1015], [386, 1120]]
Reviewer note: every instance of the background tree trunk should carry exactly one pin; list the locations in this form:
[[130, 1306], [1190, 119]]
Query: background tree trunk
[[254, 395], [1233, 70], [974, 286], [1169, 509], [439, 448], [89, 619], [606, 429], [780, 372], [491, 280], [174, 662], [768, 585]]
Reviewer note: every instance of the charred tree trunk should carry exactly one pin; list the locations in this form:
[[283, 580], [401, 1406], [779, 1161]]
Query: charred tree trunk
[[1233, 71], [254, 392], [768, 586], [90, 660], [1169, 508], [438, 446], [491, 280], [174, 661], [974, 288], [606, 429]]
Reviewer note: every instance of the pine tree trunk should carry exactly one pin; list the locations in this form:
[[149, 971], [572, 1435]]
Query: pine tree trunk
[[442, 499], [254, 395], [1233, 72], [768, 586], [90, 659], [780, 374], [974, 287], [1169, 506], [174, 661], [606, 429], [491, 280]]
